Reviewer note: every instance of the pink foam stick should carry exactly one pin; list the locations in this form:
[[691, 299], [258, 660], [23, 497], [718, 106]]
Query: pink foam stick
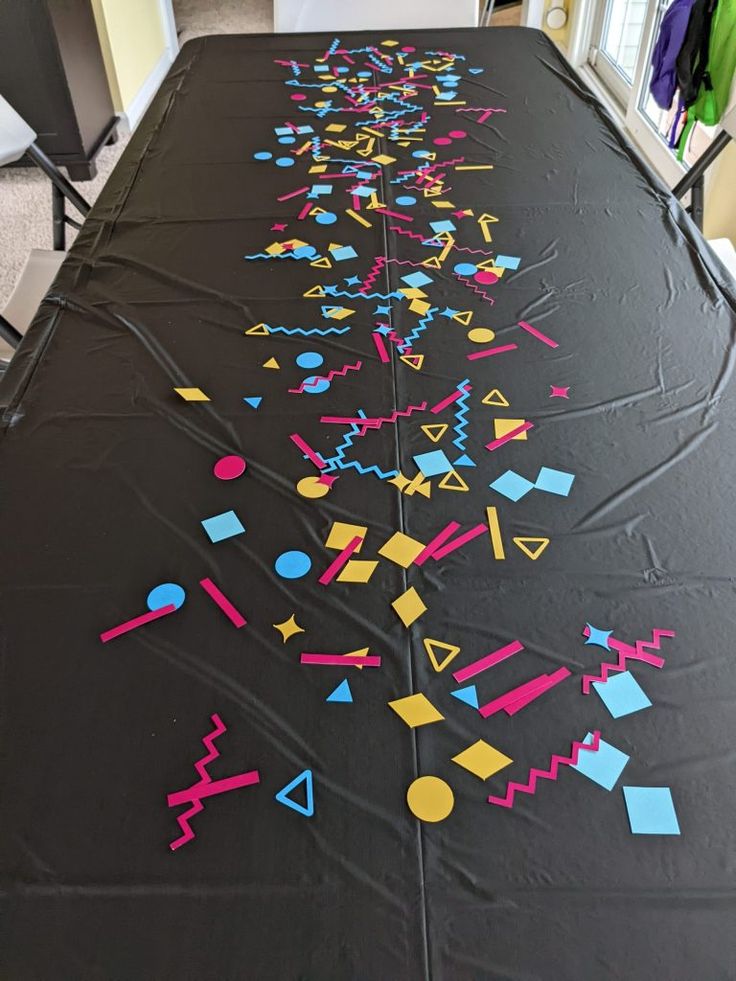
[[293, 194], [305, 211], [461, 540], [488, 352], [369, 661], [511, 434], [380, 347], [394, 214], [520, 693], [123, 628], [538, 334], [552, 679], [445, 402], [437, 541], [233, 615], [308, 451], [341, 560], [210, 788], [489, 661]]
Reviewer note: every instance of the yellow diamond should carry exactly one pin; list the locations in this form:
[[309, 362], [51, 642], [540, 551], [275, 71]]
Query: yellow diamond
[[482, 759], [416, 710]]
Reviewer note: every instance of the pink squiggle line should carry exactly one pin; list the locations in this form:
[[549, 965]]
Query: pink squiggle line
[[201, 767], [381, 262], [530, 787], [377, 423], [475, 289], [463, 248], [404, 231], [328, 377], [183, 822], [627, 653], [486, 112]]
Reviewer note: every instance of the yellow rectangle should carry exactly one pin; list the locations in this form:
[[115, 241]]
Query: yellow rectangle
[[495, 531]]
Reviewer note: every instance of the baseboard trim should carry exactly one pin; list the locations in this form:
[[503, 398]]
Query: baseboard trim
[[133, 113]]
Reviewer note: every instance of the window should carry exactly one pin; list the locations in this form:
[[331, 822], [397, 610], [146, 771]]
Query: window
[[616, 40]]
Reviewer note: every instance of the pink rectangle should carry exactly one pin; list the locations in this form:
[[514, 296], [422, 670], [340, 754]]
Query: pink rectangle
[[436, 542], [341, 560], [445, 402], [511, 434], [490, 351], [551, 680], [461, 540], [369, 661], [393, 214], [471, 670], [233, 615], [524, 693], [538, 334], [209, 788], [380, 347], [293, 194], [308, 451], [123, 628], [305, 211]]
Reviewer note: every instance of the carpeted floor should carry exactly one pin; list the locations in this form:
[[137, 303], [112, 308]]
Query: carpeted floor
[[25, 194]]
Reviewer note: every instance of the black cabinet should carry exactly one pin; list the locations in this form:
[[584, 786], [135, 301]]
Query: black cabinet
[[52, 73]]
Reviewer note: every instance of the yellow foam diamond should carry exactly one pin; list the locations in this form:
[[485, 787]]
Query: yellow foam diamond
[[192, 394], [409, 606], [401, 549], [503, 426], [357, 570], [416, 710], [342, 533], [482, 760]]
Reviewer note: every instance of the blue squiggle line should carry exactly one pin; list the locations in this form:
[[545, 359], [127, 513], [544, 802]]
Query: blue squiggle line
[[461, 423], [322, 332], [424, 322], [340, 463]]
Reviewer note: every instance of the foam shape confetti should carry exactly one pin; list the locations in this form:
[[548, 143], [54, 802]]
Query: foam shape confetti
[[554, 481], [305, 778], [253, 401], [494, 530], [598, 637], [288, 628], [342, 533], [622, 694], [435, 431], [192, 394], [603, 767], [229, 467], [430, 799], [433, 463], [166, 594], [312, 487], [357, 571], [124, 628], [222, 526], [416, 710], [293, 564], [512, 485], [468, 695], [452, 481], [504, 427], [494, 397], [482, 760], [448, 652], [341, 693], [531, 547], [401, 549], [409, 606], [558, 392], [651, 811], [340, 561], [216, 594], [551, 773], [271, 363], [489, 661]]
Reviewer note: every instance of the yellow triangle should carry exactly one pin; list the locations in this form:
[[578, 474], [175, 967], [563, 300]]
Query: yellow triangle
[[271, 363], [432, 646], [322, 263], [432, 263], [315, 291], [258, 329], [487, 264], [533, 554], [414, 361], [463, 317], [435, 431], [425, 489], [359, 653], [453, 481], [495, 397]]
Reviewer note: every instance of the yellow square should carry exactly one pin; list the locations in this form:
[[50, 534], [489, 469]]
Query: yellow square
[[419, 306], [341, 534], [276, 248], [482, 759], [416, 710], [412, 292], [383, 158], [503, 426], [335, 128], [358, 570], [401, 549], [409, 606], [192, 394]]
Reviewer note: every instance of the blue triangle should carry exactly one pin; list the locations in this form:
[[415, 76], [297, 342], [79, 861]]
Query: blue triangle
[[463, 461], [304, 777], [468, 695], [475, 71], [342, 693], [254, 401]]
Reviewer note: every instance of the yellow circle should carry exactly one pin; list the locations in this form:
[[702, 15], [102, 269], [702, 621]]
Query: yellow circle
[[329, 88], [430, 799], [311, 487], [481, 335]]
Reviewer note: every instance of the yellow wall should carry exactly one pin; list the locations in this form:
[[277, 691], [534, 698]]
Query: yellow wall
[[132, 39], [562, 36], [720, 197]]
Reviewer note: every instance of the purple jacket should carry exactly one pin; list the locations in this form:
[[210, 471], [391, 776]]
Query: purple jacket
[[663, 81]]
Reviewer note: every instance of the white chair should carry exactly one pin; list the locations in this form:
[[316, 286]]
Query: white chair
[[290, 16]]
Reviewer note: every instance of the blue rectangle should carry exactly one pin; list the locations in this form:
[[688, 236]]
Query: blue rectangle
[[604, 766], [512, 485], [442, 226], [416, 279], [222, 526], [507, 261], [554, 481], [622, 694], [433, 463], [651, 811]]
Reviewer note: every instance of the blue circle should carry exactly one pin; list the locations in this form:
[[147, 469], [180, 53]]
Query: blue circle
[[284, 161], [304, 252], [262, 155], [422, 154], [326, 218], [292, 565], [405, 200], [342, 69], [309, 359], [287, 139], [315, 385], [450, 83], [167, 594], [364, 75], [466, 269]]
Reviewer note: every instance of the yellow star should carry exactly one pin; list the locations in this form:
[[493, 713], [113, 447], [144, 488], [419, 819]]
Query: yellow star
[[289, 627]]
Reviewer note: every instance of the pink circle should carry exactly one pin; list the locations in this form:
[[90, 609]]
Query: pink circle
[[408, 49], [229, 467], [442, 141], [457, 134], [298, 97], [485, 278]]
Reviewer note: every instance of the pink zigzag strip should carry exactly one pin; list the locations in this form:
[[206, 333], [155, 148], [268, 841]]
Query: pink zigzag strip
[[530, 787], [378, 265], [403, 231], [377, 423], [628, 653], [201, 767], [476, 289], [328, 377]]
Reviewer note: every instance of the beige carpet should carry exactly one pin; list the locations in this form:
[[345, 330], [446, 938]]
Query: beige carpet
[[25, 194]]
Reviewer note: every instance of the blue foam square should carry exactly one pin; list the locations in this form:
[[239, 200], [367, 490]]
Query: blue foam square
[[604, 766], [442, 226], [651, 811], [507, 261], [554, 481], [221, 526], [622, 694], [362, 191], [512, 485], [433, 463], [416, 279], [345, 252]]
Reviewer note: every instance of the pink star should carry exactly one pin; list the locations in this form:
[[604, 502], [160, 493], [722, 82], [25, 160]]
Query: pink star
[[278, 228], [559, 393], [459, 214]]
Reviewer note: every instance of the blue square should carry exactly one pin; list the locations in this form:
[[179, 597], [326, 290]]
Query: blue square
[[433, 463], [221, 526], [604, 766], [442, 226], [416, 279], [651, 811], [622, 694], [344, 252], [512, 485], [362, 191], [507, 261], [554, 481], [318, 189]]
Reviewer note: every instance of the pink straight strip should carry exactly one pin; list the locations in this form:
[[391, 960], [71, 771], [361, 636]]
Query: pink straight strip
[[369, 661], [380, 347], [539, 684], [305, 211], [551, 681], [511, 434], [438, 540], [233, 615], [307, 450], [538, 334], [334, 567], [293, 194], [123, 628], [209, 788], [461, 540], [445, 402], [471, 670], [393, 214], [490, 351], [356, 202], [348, 421]]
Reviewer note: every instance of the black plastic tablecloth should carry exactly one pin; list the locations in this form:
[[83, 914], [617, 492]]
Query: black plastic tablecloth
[[107, 474]]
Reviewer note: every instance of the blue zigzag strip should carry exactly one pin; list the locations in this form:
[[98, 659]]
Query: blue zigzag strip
[[282, 255], [321, 332], [333, 291], [424, 322], [461, 423], [339, 462]]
